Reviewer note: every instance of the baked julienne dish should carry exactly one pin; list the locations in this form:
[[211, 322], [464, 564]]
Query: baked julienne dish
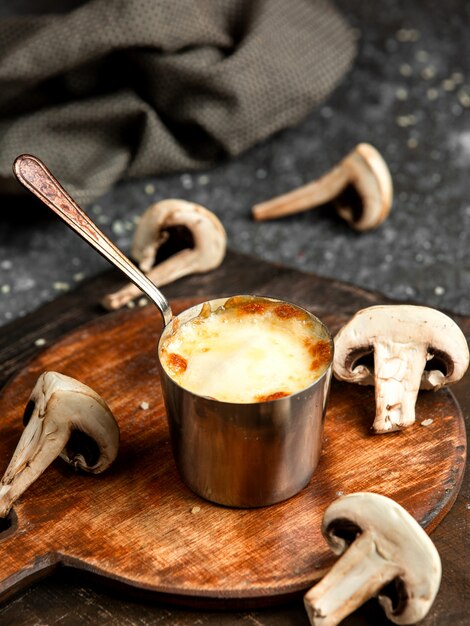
[[250, 349]]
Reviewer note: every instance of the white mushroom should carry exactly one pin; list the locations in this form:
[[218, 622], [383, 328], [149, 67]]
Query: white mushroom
[[360, 186], [63, 418], [385, 552], [208, 238], [413, 347]]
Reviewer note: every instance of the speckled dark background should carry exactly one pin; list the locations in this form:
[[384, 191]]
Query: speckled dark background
[[408, 94]]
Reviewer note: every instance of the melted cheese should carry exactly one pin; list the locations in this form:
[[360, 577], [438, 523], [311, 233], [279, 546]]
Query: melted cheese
[[250, 350]]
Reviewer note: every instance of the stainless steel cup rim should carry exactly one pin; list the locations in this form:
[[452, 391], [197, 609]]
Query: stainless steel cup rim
[[193, 311]]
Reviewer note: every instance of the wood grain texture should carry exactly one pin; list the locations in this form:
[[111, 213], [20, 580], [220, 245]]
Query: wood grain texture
[[137, 523], [68, 593]]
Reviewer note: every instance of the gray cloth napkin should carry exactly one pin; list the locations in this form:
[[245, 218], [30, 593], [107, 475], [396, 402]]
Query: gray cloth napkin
[[128, 88]]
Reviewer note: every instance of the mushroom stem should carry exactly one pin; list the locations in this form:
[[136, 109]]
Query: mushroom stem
[[397, 382], [36, 449], [165, 272], [308, 196], [358, 575]]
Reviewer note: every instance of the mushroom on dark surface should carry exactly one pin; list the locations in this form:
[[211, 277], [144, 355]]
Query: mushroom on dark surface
[[413, 347], [385, 552], [360, 186], [209, 242], [63, 418]]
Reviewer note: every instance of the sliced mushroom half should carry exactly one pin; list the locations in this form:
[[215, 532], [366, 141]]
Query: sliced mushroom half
[[400, 349], [207, 250], [385, 553], [360, 187], [63, 418]]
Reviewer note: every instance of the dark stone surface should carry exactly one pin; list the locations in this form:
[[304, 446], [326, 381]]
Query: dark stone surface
[[408, 94]]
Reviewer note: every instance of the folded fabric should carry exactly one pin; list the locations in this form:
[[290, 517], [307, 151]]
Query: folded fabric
[[127, 88]]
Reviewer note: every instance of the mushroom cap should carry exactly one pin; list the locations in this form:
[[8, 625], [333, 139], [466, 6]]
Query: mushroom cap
[[94, 434], [209, 236], [370, 177], [429, 329], [399, 539]]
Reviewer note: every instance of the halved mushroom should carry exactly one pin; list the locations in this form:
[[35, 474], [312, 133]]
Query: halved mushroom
[[209, 242], [63, 418], [360, 187], [385, 552], [413, 347]]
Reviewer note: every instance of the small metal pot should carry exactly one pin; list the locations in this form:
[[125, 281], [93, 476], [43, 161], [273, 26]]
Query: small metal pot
[[245, 455]]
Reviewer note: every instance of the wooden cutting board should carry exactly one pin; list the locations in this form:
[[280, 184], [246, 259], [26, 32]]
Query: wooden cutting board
[[138, 525]]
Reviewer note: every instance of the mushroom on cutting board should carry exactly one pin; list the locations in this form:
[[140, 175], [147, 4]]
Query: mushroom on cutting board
[[63, 418], [413, 347], [385, 552], [209, 245], [360, 187]]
